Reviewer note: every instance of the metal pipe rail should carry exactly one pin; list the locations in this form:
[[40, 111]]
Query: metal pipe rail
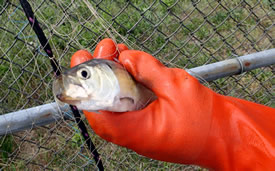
[[48, 113], [234, 66]]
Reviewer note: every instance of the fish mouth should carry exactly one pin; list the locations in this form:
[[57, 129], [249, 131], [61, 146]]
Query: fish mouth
[[66, 99], [59, 90]]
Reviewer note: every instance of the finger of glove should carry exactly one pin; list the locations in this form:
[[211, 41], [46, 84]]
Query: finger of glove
[[106, 49], [122, 47], [79, 57], [146, 69]]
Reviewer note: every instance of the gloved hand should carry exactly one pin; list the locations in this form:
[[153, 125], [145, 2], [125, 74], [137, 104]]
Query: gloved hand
[[188, 123]]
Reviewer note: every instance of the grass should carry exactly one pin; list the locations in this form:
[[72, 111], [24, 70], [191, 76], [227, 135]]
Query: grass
[[6, 147], [182, 34]]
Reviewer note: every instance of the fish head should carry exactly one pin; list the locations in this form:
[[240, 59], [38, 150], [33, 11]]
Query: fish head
[[89, 86]]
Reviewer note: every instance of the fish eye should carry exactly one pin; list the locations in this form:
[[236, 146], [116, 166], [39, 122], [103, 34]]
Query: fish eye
[[84, 73]]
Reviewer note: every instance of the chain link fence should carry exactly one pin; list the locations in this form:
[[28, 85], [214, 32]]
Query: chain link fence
[[181, 33]]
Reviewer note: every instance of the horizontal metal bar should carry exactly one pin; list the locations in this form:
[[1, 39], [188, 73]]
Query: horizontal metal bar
[[48, 113], [234, 66], [31, 117]]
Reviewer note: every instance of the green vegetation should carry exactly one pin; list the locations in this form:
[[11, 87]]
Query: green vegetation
[[182, 34], [6, 145]]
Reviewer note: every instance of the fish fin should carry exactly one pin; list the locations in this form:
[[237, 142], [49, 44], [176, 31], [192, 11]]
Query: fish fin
[[127, 100]]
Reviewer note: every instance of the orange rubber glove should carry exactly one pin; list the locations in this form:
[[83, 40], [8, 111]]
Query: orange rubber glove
[[188, 123]]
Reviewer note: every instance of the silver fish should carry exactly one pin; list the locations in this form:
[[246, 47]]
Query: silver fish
[[101, 84]]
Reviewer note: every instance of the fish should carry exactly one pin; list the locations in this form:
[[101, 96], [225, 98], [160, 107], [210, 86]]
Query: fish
[[101, 84]]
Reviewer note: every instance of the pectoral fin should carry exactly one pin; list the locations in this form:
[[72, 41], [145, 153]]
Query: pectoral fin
[[127, 100]]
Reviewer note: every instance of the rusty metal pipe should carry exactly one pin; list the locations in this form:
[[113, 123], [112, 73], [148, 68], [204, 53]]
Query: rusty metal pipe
[[234, 66]]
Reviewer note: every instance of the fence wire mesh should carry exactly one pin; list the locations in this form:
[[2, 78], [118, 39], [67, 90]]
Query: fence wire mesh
[[181, 33]]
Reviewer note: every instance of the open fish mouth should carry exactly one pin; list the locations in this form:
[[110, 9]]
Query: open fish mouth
[[66, 99], [59, 91], [58, 86]]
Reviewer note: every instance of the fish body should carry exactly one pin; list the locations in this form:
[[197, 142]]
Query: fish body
[[100, 84]]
